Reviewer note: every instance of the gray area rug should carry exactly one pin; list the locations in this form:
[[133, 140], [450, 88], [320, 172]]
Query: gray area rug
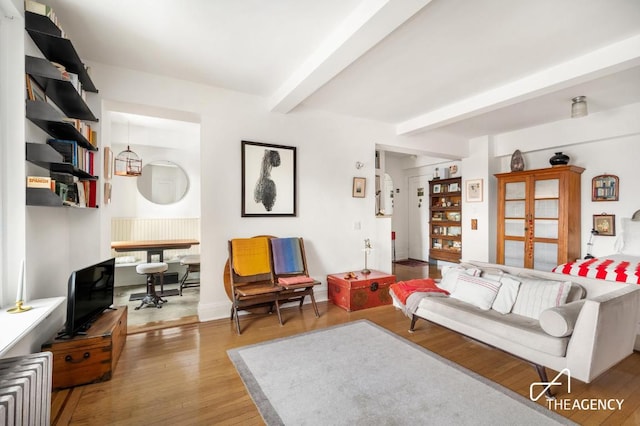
[[361, 374]]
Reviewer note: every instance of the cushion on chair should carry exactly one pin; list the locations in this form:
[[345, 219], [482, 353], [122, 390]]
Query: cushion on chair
[[251, 256], [151, 268], [190, 259], [287, 256], [299, 279]]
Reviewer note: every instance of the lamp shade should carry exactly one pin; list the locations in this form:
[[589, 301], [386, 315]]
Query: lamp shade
[[127, 163], [579, 107]]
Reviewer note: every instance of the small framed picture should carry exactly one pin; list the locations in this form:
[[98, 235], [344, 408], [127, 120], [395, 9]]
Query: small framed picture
[[108, 161], [474, 190], [359, 186], [605, 188], [605, 224], [437, 188], [454, 187]]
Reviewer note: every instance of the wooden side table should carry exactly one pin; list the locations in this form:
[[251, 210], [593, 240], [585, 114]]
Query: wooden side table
[[92, 357], [362, 292]]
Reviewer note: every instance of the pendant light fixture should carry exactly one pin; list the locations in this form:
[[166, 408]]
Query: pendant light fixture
[[127, 163], [579, 107]]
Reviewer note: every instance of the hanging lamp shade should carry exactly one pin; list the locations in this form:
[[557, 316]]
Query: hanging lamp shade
[[127, 163]]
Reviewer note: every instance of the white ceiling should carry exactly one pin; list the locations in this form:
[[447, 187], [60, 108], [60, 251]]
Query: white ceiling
[[461, 67]]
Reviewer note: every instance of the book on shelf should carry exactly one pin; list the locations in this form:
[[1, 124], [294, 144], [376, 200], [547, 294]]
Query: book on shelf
[[41, 182], [37, 7], [65, 178], [82, 201], [68, 149], [61, 190]]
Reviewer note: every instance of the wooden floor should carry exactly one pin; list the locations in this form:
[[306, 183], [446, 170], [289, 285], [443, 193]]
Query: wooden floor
[[182, 375]]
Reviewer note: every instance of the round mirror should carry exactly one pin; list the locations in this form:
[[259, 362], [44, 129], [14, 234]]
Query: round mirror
[[163, 182]]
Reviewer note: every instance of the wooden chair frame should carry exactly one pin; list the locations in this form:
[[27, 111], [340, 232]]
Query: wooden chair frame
[[252, 291], [296, 292]]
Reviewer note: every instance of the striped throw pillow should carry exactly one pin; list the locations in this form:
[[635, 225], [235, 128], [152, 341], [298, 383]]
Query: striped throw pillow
[[476, 291], [534, 296]]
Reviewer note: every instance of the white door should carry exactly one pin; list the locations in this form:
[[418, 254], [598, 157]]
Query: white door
[[418, 218]]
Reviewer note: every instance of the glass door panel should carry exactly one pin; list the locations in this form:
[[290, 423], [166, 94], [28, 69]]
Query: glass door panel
[[514, 253], [546, 229], [546, 256], [515, 191], [514, 227], [548, 188], [514, 209], [546, 209]]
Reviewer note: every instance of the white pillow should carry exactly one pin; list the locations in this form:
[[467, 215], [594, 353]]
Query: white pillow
[[560, 321], [535, 296], [506, 295], [476, 291], [630, 237], [450, 276]]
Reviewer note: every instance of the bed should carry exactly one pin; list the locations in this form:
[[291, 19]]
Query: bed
[[623, 266]]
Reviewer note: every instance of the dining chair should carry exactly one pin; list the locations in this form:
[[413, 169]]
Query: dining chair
[[251, 277], [289, 264]]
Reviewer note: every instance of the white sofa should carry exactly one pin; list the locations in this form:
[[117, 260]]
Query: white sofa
[[589, 336]]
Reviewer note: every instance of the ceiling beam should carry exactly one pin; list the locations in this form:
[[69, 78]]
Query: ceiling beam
[[610, 59], [365, 27]]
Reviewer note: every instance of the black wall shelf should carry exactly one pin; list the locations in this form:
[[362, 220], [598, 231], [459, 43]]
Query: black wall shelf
[[43, 197], [47, 36], [59, 90], [47, 157], [48, 119]]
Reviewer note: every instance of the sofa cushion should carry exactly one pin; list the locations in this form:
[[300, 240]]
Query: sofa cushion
[[477, 291], [518, 329], [535, 296], [450, 275], [559, 321], [506, 295]]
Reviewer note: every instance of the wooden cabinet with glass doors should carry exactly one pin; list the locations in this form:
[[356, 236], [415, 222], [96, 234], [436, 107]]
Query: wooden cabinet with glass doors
[[445, 222], [539, 217]]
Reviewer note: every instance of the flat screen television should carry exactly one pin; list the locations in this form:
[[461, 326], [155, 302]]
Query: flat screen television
[[90, 292]]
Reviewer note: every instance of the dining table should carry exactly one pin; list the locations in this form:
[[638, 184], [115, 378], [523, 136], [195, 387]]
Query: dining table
[[153, 247]]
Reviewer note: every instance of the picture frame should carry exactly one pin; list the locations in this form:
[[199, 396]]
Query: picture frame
[[473, 190], [437, 188], [605, 188], [454, 187], [107, 192], [359, 187], [108, 161], [605, 224], [268, 179]]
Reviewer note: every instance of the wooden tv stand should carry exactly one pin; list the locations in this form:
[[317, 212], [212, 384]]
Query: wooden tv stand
[[92, 357]]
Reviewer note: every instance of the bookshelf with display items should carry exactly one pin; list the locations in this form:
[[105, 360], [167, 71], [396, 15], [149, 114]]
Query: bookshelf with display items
[[56, 87], [445, 224]]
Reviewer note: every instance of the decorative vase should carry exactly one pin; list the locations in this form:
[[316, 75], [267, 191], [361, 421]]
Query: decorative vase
[[559, 159], [517, 161]]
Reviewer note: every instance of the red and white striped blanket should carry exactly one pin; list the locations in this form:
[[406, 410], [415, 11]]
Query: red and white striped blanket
[[605, 269]]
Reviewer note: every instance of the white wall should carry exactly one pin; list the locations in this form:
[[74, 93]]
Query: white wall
[[327, 147], [603, 143]]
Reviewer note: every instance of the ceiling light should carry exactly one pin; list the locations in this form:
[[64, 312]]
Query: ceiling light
[[579, 107], [127, 163]]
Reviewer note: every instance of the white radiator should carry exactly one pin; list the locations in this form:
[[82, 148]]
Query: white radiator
[[25, 390]]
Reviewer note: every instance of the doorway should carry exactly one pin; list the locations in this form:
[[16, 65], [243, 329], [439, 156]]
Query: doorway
[[418, 212], [163, 203]]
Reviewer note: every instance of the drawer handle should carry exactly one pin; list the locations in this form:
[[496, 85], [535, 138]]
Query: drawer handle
[[374, 286], [69, 358]]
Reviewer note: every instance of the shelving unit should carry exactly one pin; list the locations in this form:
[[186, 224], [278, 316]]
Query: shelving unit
[[539, 217], [64, 104], [445, 225]]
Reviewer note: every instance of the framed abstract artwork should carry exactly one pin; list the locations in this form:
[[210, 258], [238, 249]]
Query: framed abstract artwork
[[268, 180]]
